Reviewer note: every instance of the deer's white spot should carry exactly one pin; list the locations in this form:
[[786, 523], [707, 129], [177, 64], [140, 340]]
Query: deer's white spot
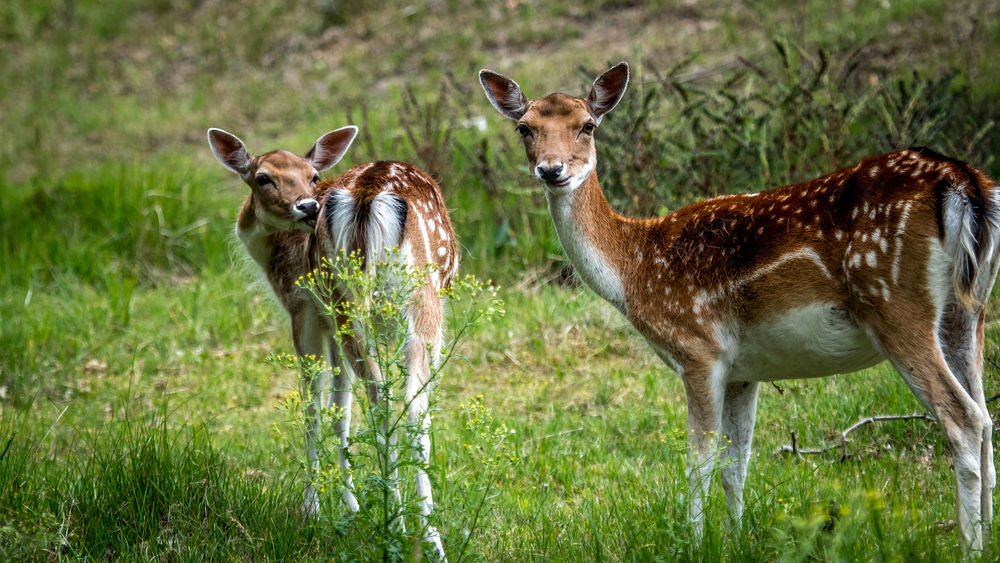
[[423, 235], [885, 289], [900, 229]]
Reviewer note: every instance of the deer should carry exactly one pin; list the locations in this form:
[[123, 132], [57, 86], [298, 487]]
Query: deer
[[893, 258], [292, 220]]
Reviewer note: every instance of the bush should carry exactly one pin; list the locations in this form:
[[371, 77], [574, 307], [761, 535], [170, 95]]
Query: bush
[[786, 120]]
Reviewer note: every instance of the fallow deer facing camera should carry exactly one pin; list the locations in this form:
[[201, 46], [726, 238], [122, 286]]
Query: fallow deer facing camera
[[292, 220], [893, 258]]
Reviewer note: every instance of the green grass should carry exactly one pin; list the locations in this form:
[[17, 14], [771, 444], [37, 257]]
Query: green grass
[[138, 416], [177, 455]]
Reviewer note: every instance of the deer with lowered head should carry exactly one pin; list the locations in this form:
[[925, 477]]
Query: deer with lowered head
[[890, 259], [292, 220]]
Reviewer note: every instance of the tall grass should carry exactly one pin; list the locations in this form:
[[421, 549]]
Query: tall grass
[[111, 222], [139, 489]]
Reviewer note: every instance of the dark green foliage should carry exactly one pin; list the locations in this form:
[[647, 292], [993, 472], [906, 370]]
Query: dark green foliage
[[783, 120]]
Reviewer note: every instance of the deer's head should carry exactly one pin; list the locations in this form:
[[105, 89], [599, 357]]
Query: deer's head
[[558, 130], [282, 184]]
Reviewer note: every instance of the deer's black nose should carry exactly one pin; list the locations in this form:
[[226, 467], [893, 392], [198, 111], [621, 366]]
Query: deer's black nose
[[308, 207], [550, 173]]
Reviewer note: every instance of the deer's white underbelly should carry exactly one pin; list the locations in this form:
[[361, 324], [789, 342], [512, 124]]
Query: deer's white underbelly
[[811, 341]]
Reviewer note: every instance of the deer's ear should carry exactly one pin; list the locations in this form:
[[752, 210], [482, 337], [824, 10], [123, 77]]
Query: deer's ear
[[332, 147], [230, 151], [608, 90], [504, 94]]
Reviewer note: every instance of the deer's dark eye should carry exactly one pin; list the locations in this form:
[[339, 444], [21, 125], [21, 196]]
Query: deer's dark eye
[[263, 179], [315, 178], [588, 128], [523, 130]]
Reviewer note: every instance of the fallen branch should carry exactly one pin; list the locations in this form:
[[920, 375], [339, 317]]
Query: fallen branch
[[842, 441]]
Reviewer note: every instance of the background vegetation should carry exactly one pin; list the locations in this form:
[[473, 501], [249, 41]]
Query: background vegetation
[[137, 416]]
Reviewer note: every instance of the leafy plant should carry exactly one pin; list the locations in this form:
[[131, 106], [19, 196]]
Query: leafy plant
[[388, 524]]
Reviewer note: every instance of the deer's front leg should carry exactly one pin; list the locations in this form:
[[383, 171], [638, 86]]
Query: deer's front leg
[[307, 336], [739, 411], [342, 396], [704, 388]]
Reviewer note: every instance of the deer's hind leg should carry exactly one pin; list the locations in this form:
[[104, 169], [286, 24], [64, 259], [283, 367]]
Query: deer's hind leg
[[422, 349], [908, 336], [961, 333], [361, 359]]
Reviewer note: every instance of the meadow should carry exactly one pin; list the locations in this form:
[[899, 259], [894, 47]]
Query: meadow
[[141, 419]]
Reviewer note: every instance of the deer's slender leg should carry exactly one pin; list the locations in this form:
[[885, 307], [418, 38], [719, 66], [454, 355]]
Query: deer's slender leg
[[961, 333], [423, 348], [309, 341], [342, 396], [704, 386], [918, 357], [739, 411]]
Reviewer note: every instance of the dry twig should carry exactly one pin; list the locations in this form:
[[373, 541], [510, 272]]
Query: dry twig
[[793, 447], [842, 441]]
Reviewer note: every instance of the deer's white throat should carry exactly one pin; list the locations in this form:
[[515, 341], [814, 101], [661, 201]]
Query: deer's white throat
[[577, 240]]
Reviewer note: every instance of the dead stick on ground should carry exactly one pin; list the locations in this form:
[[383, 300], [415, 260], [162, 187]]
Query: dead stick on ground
[[793, 448]]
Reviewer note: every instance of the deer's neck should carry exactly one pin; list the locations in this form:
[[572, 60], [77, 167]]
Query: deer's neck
[[282, 255], [254, 234], [595, 239]]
